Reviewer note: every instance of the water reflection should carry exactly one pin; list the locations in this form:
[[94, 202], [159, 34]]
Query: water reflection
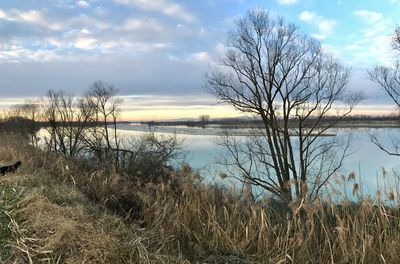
[[372, 167]]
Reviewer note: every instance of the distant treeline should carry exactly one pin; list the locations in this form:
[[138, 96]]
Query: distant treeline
[[17, 122], [254, 122]]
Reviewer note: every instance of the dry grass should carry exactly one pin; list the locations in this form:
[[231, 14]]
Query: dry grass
[[75, 231], [180, 221]]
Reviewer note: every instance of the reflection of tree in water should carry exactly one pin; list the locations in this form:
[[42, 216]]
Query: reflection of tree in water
[[389, 79]]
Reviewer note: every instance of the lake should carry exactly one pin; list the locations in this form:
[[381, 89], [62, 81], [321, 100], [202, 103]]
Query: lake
[[372, 166]]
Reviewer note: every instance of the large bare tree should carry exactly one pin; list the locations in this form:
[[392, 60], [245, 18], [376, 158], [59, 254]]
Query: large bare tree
[[285, 79], [388, 77]]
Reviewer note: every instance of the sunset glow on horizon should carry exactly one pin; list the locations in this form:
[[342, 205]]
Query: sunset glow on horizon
[[148, 108]]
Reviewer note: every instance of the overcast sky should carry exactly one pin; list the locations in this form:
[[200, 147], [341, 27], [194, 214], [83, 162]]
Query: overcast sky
[[156, 51]]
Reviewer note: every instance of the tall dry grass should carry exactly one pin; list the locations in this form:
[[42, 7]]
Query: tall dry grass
[[184, 220]]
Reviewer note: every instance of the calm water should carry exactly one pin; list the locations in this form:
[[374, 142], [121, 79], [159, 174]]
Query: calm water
[[366, 160]]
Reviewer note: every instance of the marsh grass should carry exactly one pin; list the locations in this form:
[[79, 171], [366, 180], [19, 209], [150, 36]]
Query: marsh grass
[[8, 199], [69, 212]]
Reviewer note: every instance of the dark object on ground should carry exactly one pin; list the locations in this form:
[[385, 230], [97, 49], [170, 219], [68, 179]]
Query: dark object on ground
[[11, 168]]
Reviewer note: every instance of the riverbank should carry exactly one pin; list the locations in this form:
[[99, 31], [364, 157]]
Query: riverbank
[[59, 211], [46, 222]]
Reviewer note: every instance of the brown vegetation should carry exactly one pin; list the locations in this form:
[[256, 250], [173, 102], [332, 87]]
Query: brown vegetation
[[179, 221]]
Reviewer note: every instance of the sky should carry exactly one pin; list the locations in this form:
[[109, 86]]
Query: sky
[[157, 51]]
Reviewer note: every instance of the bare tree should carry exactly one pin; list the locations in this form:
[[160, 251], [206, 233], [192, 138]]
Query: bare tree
[[86, 128], [396, 39], [67, 119], [284, 78], [388, 77], [150, 156], [204, 119], [15, 120], [102, 137], [22, 119], [31, 110]]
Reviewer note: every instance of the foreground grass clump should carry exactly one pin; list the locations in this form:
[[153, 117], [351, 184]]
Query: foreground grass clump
[[65, 211], [50, 222], [8, 198]]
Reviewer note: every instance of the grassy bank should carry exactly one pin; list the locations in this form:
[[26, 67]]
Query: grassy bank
[[55, 210], [44, 221]]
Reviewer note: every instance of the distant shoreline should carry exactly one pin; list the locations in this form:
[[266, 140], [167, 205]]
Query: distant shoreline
[[238, 129], [244, 122]]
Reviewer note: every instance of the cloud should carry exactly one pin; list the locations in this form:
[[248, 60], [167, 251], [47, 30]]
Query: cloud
[[325, 26], [369, 16], [85, 43], [33, 17], [18, 53], [134, 24], [163, 6], [202, 56], [83, 4], [84, 20], [307, 16], [374, 45], [140, 75], [85, 37], [287, 2], [61, 31], [41, 47]]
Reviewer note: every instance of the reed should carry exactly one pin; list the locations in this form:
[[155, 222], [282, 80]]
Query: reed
[[70, 212]]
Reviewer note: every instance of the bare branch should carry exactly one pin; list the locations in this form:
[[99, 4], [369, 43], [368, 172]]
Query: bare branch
[[273, 71]]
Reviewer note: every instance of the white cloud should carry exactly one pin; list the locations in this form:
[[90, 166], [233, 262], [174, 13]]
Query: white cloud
[[307, 16], [34, 17], [3, 15], [85, 43], [163, 6], [373, 43], [369, 16], [287, 2], [141, 25], [325, 26], [83, 4], [87, 21], [16, 53], [54, 42], [86, 31], [202, 56], [160, 46], [51, 34]]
